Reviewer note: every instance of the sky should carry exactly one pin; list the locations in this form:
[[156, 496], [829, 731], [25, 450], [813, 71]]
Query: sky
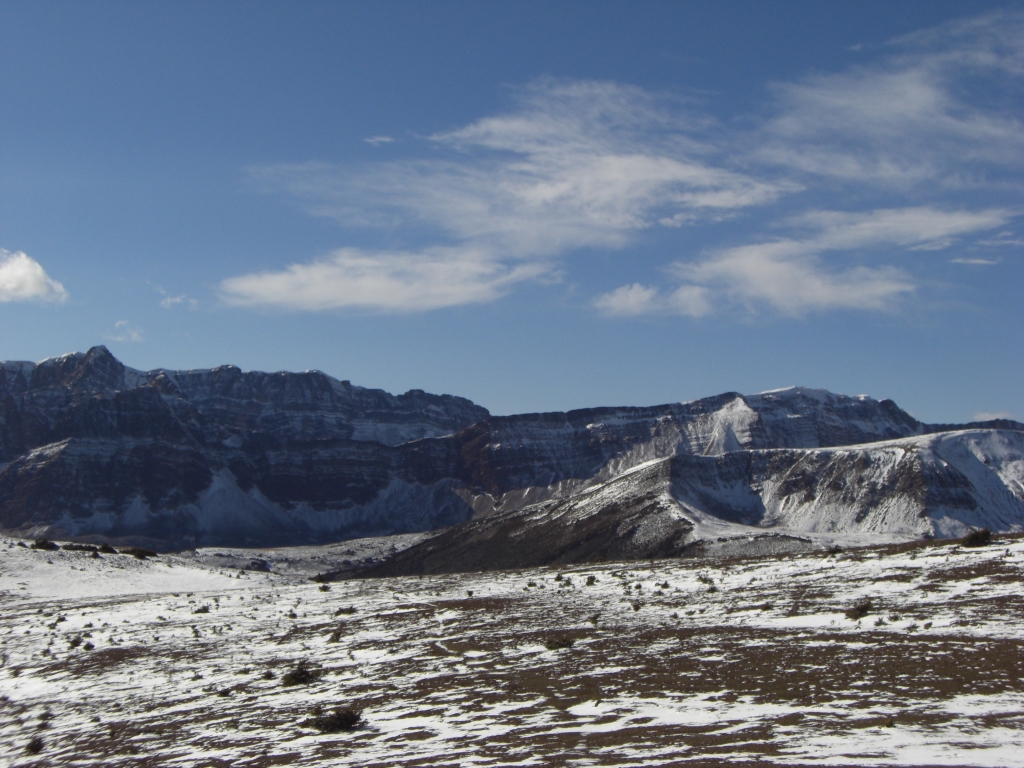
[[536, 205]]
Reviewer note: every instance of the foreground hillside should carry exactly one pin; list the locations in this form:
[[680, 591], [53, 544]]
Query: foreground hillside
[[95, 451], [900, 655]]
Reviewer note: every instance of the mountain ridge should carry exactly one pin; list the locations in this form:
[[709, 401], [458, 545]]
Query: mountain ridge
[[91, 449]]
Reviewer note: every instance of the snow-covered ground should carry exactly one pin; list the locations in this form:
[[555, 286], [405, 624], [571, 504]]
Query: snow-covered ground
[[168, 661]]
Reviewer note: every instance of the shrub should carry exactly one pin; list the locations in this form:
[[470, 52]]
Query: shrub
[[106, 549], [337, 720], [558, 643], [79, 548], [346, 611], [202, 609], [591, 580], [859, 610], [705, 578], [138, 552], [35, 746], [324, 588], [44, 544], [300, 674], [977, 538]]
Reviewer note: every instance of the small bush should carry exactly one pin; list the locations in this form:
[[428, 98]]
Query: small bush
[[35, 746], [106, 549], [346, 611], [202, 609], [705, 578], [558, 643], [79, 548], [337, 720], [859, 610], [977, 538], [325, 588], [301, 674], [45, 544], [138, 552], [591, 580]]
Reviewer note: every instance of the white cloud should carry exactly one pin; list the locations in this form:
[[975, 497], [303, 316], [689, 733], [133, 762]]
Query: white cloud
[[637, 299], [575, 165], [1002, 239], [790, 276], [975, 262], [167, 302], [908, 118], [124, 331], [901, 141], [378, 140], [22, 278], [387, 281]]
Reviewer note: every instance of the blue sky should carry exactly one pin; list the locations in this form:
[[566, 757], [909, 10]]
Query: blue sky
[[538, 206]]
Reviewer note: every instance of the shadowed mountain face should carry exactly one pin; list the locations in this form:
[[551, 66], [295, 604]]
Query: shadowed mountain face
[[171, 459]]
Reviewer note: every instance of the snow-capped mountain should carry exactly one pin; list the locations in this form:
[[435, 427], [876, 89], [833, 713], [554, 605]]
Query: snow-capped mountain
[[92, 449]]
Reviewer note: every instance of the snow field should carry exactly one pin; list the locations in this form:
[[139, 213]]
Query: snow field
[[645, 663]]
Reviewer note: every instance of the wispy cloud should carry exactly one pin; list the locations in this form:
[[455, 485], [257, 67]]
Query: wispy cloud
[[575, 165], [167, 302], [918, 115], [975, 262], [1002, 240], [22, 278], [386, 281], [907, 151], [124, 331], [378, 140], [790, 275]]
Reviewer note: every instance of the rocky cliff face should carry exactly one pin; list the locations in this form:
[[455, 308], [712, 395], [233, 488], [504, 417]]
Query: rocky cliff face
[[92, 449], [174, 458]]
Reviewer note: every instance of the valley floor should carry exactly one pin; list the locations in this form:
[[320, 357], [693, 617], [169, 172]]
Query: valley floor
[[897, 655]]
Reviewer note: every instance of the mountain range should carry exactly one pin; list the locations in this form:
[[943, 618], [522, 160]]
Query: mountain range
[[93, 450]]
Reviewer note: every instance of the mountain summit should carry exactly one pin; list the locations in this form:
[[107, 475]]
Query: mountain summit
[[91, 449]]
